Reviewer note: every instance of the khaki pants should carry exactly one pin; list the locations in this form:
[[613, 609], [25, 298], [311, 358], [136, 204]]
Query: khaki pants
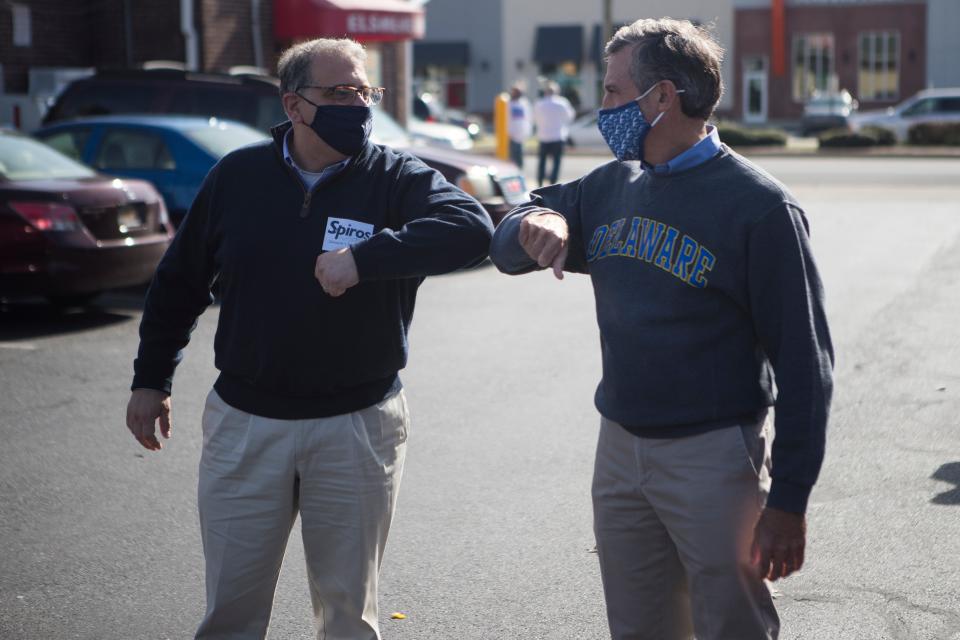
[[341, 474], [674, 521]]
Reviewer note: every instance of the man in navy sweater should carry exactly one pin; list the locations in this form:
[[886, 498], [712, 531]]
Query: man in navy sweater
[[318, 240], [706, 291]]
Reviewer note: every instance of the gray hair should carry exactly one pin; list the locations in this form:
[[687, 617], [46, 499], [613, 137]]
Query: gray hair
[[294, 65], [675, 50]]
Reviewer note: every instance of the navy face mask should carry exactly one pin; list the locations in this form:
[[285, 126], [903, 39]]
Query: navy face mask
[[345, 128]]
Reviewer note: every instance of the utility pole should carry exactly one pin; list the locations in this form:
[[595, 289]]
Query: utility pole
[[605, 38], [607, 23]]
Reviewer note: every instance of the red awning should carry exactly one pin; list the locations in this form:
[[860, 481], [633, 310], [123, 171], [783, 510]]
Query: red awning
[[363, 20]]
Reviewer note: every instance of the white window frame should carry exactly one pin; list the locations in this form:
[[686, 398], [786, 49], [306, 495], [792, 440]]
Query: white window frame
[[825, 75], [877, 65]]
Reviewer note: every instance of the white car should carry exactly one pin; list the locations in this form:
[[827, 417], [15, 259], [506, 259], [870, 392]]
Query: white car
[[439, 134], [585, 134], [929, 106]]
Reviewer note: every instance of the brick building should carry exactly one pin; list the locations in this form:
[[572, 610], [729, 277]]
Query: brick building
[[785, 50]]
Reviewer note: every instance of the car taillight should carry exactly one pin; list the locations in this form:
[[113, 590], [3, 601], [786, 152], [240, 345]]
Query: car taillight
[[48, 216]]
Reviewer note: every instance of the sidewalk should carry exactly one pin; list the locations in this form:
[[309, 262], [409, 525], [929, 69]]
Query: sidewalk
[[795, 148]]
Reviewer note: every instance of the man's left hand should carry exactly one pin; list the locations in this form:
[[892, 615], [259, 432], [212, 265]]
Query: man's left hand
[[336, 271], [778, 543]]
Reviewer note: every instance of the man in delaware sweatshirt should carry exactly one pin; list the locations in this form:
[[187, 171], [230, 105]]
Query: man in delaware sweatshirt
[[318, 240], [707, 294]]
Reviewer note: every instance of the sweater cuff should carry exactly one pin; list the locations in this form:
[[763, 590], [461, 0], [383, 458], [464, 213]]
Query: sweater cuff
[[150, 382], [789, 496], [365, 260]]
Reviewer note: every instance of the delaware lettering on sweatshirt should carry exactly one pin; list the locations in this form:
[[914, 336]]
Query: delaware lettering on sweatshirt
[[656, 243]]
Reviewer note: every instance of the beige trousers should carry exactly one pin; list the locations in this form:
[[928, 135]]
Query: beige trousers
[[341, 474], [674, 521]]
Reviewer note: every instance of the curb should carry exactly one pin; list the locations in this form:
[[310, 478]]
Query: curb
[[779, 152], [868, 152]]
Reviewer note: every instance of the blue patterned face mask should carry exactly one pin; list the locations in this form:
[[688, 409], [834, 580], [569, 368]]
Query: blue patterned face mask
[[624, 128]]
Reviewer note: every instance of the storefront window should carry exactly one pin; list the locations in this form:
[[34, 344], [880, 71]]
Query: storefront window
[[813, 64], [448, 84], [879, 77]]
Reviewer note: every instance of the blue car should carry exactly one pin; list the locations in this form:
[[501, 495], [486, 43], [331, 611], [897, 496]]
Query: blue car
[[173, 152]]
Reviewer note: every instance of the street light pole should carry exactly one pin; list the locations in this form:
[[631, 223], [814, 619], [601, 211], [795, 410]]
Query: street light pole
[[607, 23], [606, 35]]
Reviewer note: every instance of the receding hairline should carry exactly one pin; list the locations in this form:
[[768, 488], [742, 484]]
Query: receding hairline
[[295, 64]]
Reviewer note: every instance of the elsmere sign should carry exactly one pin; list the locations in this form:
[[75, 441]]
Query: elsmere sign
[[379, 20], [370, 23]]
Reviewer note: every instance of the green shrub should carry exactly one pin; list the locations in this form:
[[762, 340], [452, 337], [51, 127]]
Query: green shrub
[[736, 136], [885, 137], [866, 137], [941, 133]]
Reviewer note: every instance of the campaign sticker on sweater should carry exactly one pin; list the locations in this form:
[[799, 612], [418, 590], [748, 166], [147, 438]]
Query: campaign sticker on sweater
[[343, 232]]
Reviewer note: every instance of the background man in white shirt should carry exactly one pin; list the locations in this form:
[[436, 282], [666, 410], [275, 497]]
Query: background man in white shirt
[[552, 115]]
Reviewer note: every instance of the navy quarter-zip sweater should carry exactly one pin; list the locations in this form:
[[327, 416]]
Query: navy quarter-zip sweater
[[284, 348], [706, 293]]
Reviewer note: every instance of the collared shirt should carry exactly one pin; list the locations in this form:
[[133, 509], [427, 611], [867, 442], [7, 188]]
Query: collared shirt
[[552, 115], [695, 155], [311, 178]]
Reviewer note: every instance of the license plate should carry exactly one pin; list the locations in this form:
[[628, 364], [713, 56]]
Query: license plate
[[513, 188], [129, 218]]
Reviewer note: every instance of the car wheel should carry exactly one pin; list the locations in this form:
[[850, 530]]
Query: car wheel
[[77, 300]]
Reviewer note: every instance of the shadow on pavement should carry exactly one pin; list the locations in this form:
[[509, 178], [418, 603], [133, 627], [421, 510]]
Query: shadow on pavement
[[23, 320], [949, 472], [128, 299]]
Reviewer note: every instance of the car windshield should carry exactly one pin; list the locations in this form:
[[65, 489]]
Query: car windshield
[[26, 159], [388, 131], [219, 139], [829, 100]]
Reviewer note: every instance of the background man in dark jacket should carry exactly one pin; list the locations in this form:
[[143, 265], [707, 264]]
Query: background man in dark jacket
[[706, 290], [319, 240]]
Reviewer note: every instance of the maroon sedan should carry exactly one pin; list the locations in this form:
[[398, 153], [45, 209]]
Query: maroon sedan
[[68, 233]]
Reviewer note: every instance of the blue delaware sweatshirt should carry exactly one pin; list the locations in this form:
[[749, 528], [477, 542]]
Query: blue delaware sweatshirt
[[706, 294], [284, 348]]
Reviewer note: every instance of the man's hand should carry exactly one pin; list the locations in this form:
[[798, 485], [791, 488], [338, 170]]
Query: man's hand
[[778, 543], [145, 408], [544, 237], [336, 271]]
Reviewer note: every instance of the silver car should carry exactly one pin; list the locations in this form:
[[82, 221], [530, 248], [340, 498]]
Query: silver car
[[928, 106]]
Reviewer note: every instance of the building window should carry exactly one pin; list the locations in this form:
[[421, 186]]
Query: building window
[[813, 64], [22, 29], [447, 84], [440, 76], [879, 77]]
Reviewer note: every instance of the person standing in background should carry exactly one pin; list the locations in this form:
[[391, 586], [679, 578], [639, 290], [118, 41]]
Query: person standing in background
[[519, 124], [552, 115]]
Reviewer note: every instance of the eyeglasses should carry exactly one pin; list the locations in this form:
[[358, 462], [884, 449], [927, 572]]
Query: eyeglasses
[[347, 93]]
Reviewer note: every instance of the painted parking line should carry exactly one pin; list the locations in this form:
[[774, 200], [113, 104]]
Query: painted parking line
[[18, 346]]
